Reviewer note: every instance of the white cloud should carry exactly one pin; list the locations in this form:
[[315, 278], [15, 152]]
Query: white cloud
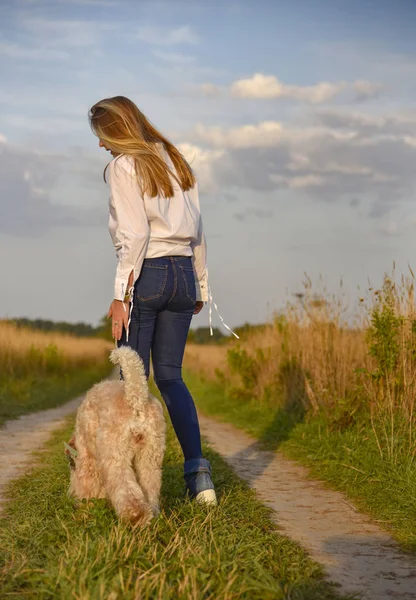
[[411, 141], [44, 40], [366, 89], [209, 89], [363, 157], [58, 125], [299, 182], [27, 181], [268, 87], [19, 51], [390, 228], [366, 124], [258, 213], [162, 36], [202, 162], [174, 57], [100, 3], [68, 33], [263, 134]]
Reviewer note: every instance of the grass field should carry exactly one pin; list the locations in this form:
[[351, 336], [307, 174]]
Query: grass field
[[337, 396], [42, 370], [340, 397], [50, 550]]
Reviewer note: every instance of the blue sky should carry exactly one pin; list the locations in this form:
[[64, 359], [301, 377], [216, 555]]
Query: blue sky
[[299, 120]]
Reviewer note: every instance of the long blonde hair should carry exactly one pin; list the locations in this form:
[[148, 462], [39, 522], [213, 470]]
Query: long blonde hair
[[125, 129]]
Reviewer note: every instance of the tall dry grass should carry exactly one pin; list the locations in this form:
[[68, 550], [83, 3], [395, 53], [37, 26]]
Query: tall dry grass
[[206, 359], [24, 349], [318, 356], [41, 370]]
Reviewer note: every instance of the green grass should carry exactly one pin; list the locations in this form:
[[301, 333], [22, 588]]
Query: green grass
[[347, 459], [31, 392], [51, 550]]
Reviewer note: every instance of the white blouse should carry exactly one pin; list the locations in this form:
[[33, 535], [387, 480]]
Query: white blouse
[[144, 227]]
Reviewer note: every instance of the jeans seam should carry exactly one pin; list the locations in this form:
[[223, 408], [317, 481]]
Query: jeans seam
[[175, 280], [186, 284], [160, 267]]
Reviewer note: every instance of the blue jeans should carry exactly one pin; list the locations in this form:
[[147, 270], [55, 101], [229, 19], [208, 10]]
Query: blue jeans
[[164, 302]]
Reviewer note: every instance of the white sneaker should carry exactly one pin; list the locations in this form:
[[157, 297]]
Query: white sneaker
[[207, 497]]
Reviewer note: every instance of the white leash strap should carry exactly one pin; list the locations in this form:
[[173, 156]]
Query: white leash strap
[[131, 295], [213, 304]]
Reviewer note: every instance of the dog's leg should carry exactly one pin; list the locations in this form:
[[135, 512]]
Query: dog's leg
[[84, 480], [148, 465], [122, 488]]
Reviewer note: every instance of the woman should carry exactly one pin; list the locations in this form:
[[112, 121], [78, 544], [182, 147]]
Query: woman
[[161, 279]]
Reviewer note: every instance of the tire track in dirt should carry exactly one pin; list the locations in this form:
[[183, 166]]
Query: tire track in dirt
[[19, 438], [354, 551]]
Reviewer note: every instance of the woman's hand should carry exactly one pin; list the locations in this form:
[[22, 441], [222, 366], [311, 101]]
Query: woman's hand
[[119, 311], [198, 307]]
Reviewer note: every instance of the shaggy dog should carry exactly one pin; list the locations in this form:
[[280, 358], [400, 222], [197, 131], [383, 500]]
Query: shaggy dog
[[119, 441]]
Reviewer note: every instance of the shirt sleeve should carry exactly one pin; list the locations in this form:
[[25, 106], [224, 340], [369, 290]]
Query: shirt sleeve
[[199, 248], [128, 223]]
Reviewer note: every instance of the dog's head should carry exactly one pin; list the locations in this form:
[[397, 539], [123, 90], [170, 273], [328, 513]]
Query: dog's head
[[71, 452]]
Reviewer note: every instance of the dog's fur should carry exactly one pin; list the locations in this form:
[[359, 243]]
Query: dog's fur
[[120, 441]]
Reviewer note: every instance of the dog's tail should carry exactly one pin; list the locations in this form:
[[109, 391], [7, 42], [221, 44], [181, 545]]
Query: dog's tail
[[136, 387]]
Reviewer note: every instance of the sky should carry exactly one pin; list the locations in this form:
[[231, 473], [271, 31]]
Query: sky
[[298, 118]]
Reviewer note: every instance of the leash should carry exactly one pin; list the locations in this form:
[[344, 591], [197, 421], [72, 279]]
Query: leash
[[211, 304]]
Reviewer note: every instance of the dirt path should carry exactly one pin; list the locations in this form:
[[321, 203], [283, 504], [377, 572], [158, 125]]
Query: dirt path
[[20, 437], [354, 551]]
